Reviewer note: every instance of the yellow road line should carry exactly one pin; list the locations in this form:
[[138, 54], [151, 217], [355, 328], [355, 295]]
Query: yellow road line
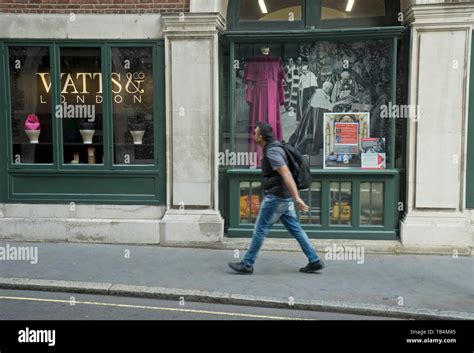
[[152, 308]]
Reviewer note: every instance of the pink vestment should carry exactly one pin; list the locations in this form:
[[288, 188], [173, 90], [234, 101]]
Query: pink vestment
[[265, 93]]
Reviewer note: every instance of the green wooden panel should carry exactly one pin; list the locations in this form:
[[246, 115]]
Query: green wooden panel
[[470, 138], [390, 178], [160, 121], [3, 125], [320, 34], [369, 234], [355, 204], [73, 187]]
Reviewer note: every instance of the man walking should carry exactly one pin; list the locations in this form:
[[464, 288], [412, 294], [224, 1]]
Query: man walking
[[280, 196]]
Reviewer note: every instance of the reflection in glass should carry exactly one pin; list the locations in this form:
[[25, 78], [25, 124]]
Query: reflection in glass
[[132, 87], [81, 105], [250, 199], [343, 9], [31, 113], [270, 10], [341, 203], [316, 78], [371, 203]]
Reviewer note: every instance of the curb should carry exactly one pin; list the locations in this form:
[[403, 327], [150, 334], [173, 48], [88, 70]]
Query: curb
[[229, 298], [378, 247], [375, 247]]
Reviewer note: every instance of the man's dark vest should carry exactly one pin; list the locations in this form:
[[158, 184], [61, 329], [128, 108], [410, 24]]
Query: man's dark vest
[[272, 182]]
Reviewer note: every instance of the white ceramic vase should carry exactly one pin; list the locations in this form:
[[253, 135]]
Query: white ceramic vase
[[87, 136], [33, 135], [137, 136]]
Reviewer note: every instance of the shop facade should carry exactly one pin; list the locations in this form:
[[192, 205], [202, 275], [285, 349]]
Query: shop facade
[[140, 131]]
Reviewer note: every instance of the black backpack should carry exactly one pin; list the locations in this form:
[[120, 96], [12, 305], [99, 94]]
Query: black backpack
[[298, 165]]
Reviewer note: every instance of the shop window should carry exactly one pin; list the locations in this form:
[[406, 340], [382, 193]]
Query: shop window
[[341, 203], [71, 106], [312, 197], [349, 9], [270, 10], [132, 88], [371, 203], [311, 14], [81, 110], [30, 103], [250, 199], [328, 99]]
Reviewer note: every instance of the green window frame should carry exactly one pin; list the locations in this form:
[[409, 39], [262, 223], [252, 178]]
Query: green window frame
[[94, 183], [311, 18], [231, 178]]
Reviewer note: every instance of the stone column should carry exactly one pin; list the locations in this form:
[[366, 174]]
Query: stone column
[[438, 86], [192, 130], [209, 6]]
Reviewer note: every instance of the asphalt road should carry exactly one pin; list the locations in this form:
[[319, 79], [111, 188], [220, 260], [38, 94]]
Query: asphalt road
[[37, 305]]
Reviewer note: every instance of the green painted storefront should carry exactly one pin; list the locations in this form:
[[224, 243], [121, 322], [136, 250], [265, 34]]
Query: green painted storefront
[[236, 183], [60, 182], [110, 183]]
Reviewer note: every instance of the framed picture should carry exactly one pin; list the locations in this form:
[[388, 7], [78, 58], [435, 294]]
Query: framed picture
[[343, 134], [373, 153]]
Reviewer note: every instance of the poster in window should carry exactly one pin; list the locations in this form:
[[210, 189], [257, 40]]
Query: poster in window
[[343, 134], [373, 153]]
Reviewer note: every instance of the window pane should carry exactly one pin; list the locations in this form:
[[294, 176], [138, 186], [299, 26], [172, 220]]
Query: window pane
[[31, 113], [294, 86], [250, 198], [371, 200], [81, 103], [312, 197], [341, 9], [270, 10], [341, 203], [132, 87]]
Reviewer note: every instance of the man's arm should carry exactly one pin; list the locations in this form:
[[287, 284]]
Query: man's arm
[[285, 173]]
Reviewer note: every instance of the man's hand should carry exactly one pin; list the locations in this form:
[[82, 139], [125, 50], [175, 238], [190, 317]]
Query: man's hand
[[301, 205], [291, 185]]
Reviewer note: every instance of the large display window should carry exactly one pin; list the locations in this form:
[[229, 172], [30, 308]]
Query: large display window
[[81, 105], [328, 99], [332, 97], [82, 115]]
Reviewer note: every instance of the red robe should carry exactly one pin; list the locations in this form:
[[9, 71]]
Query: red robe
[[265, 77]]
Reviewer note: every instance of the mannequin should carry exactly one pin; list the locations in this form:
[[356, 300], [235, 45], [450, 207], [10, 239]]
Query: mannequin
[[265, 75]]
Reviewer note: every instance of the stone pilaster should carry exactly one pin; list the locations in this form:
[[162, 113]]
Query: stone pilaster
[[192, 107], [437, 139]]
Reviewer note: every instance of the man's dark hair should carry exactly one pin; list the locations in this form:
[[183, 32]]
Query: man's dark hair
[[266, 131]]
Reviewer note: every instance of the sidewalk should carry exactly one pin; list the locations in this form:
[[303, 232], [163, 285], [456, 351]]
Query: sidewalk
[[427, 286]]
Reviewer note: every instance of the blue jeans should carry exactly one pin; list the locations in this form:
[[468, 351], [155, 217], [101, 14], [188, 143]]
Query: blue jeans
[[272, 209]]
